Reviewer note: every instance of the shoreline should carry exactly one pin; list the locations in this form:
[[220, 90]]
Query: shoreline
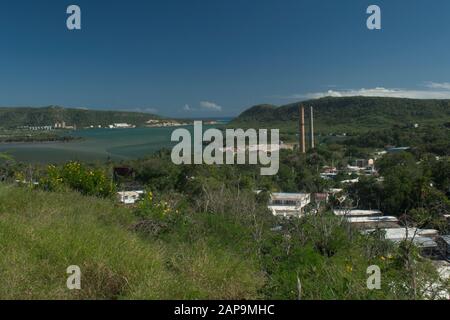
[[3, 143]]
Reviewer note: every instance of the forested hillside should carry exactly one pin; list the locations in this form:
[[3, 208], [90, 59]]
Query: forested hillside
[[349, 114], [16, 117]]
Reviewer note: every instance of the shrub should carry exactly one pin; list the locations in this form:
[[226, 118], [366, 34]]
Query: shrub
[[149, 208], [78, 177]]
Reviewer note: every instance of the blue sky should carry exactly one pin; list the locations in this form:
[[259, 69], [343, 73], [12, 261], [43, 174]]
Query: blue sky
[[191, 58]]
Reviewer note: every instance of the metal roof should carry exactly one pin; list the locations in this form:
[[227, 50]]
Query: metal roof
[[357, 212], [289, 196], [422, 242], [400, 233], [446, 238], [371, 219]]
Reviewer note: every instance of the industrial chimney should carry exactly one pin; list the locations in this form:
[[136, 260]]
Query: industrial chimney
[[302, 140], [312, 128]]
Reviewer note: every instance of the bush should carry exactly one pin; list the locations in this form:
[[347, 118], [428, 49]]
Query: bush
[[78, 177]]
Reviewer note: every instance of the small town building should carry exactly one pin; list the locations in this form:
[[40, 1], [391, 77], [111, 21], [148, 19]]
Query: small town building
[[364, 163], [350, 181], [357, 213], [422, 238], [321, 197], [370, 222], [367, 219], [129, 197], [289, 204], [121, 126], [397, 149], [407, 233], [328, 175]]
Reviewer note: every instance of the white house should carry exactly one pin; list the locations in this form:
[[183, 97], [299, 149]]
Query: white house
[[289, 204], [129, 197]]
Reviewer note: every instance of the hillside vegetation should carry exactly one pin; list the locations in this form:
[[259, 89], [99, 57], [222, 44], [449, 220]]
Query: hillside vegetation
[[216, 240], [16, 117], [348, 114], [41, 235]]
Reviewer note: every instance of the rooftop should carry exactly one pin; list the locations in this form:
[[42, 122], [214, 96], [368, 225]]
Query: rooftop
[[289, 196], [400, 233], [370, 219], [446, 239], [422, 242], [357, 212]]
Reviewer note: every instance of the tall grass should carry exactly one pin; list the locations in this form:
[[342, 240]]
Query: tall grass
[[42, 233]]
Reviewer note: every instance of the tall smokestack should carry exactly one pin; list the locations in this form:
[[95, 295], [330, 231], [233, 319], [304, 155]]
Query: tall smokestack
[[312, 128], [302, 142]]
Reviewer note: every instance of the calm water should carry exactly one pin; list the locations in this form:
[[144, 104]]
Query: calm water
[[97, 144]]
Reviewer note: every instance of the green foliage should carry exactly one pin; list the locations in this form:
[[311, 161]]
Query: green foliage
[[7, 164], [158, 173], [347, 114], [78, 177], [203, 232], [41, 235], [149, 208], [425, 139], [25, 135], [367, 192]]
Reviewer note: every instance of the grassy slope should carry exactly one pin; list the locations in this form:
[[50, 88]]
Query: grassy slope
[[41, 234]]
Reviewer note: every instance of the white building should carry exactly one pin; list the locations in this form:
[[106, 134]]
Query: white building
[[289, 204], [372, 219], [357, 213], [351, 181], [422, 238], [121, 126], [129, 197], [400, 234], [367, 219], [404, 233]]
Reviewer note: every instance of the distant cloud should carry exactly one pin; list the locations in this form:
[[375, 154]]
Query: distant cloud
[[439, 91], [437, 85], [210, 106], [204, 105], [143, 110]]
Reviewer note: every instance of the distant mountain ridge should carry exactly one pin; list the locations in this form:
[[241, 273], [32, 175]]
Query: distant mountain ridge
[[45, 116], [350, 112]]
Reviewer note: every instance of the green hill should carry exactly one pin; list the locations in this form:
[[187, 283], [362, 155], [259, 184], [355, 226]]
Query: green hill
[[16, 117], [348, 114]]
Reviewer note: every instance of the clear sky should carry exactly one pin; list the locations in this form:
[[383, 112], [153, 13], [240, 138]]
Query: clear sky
[[216, 58]]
